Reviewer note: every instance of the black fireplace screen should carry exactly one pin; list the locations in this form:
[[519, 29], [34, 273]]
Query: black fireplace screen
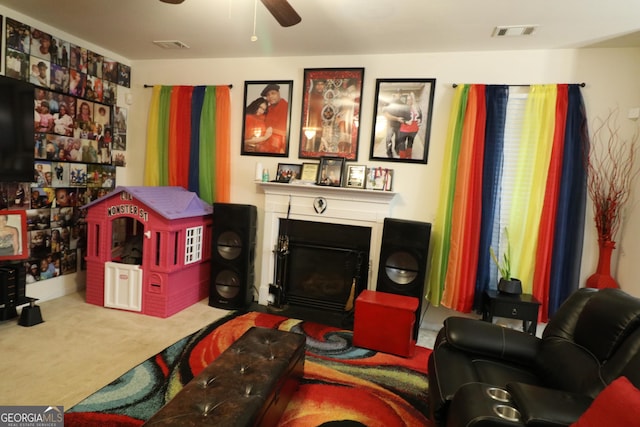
[[322, 277], [325, 264]]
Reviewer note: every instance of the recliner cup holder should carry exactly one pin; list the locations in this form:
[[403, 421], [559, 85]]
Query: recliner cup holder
[[507, 412], [499, 394]]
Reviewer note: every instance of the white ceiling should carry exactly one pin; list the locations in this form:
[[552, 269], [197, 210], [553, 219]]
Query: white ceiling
[[223, 28]]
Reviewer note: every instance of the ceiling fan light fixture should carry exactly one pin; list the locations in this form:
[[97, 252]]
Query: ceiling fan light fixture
[[255, 12], [513, 30]]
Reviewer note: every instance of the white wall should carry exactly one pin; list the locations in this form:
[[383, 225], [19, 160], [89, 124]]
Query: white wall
[[610, 75]]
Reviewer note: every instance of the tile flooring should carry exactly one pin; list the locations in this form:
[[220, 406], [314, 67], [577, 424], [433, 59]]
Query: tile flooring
[[433, 317], [431, 323]]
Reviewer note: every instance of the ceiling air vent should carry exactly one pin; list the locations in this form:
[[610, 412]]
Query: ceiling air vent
[[170, 44], [514, 30]]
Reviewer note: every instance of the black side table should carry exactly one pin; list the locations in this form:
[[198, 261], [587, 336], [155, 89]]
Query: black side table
[[523, 307]]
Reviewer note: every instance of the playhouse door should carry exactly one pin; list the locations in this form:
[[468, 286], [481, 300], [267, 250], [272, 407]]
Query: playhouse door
[[123, 286]]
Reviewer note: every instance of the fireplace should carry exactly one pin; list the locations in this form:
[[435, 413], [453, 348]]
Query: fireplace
[[321, 265], [359, 217]]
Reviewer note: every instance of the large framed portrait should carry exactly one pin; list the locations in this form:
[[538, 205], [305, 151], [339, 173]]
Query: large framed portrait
[[266, 118], [331, 113], [402, 120], [13, 235]]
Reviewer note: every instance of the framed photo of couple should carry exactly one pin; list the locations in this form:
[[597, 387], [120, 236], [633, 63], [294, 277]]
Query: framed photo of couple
[[331, 113], [266, 118], [402, 120]]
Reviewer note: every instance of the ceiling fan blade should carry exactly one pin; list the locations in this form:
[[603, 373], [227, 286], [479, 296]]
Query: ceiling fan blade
[[282, 11]]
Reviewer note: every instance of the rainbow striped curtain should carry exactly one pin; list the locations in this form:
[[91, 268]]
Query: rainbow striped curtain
[[545, 213], [188, 140]]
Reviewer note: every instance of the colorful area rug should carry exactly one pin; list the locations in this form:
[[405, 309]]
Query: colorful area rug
[[342, 384]]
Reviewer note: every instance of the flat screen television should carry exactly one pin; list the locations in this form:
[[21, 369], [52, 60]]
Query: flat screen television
[[16, 130]]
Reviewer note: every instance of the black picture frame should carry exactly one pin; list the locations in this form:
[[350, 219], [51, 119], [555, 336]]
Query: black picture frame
[[330, 171], [331, 113], [288, 171], [266, 134], [401, 133]]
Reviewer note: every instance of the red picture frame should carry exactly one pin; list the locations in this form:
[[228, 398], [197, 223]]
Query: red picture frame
[[13, 235], [331, 113]]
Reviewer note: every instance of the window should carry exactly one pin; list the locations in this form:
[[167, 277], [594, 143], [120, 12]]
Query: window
[[512, 136], [193, 245]]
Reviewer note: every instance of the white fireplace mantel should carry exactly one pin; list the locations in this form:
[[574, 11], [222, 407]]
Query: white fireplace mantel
[[348, 206]]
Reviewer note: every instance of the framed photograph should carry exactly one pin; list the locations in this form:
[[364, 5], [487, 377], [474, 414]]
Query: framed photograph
[[288, 171], [380, 179], [330, 172], [331, 112], [13, 235], [402, 120], [309, 172], [356, 176], [266, 118]]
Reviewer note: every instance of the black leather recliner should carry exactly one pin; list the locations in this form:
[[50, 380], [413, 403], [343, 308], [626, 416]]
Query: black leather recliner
[[593, 339]]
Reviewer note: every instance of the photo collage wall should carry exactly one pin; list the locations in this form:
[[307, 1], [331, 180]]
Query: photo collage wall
[[80, 137]]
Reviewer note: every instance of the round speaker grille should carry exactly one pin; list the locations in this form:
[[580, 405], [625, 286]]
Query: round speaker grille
[[402, 268], [227, 284], [229, 245]]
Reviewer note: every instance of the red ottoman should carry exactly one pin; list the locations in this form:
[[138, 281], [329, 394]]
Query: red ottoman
[[384, 322]]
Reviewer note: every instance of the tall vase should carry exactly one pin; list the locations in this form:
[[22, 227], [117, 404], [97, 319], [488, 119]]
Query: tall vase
[[602, 277]]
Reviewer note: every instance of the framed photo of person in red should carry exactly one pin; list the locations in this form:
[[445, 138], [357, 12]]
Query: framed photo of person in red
[[13, 235], [266, 118], [331, 113]]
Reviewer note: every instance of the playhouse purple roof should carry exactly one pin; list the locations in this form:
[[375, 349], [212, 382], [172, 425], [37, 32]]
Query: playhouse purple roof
[[169, 202]]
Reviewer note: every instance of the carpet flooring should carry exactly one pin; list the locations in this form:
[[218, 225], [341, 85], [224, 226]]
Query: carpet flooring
[[342, 384]]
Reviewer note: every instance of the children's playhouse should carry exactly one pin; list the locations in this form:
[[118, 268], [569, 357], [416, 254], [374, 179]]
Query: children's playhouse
[[148, 250]]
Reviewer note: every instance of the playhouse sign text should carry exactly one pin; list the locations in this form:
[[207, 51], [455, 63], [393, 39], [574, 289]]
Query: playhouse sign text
[[127, 208]]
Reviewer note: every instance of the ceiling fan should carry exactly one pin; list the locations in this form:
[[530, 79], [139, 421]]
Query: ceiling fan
[[284, 13]]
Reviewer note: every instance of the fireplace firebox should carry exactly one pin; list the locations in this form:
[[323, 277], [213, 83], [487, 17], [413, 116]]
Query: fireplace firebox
[[321, 265]]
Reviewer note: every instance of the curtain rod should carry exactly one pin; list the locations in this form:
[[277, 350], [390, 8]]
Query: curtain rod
[[583, 84], [148, 86]]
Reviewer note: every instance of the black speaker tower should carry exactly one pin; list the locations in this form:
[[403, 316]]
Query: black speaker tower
[[403, 260], [232, 256]]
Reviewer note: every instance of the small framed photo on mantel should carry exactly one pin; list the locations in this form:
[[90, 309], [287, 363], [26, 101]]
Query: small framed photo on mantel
[[288, 172], [309, 172], [356, 176], [330, 172], [380, 179]]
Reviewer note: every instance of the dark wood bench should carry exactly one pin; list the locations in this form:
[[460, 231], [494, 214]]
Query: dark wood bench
[[249, 384]]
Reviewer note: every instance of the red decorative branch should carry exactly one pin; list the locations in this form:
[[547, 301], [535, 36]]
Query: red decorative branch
[[611, 170]]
